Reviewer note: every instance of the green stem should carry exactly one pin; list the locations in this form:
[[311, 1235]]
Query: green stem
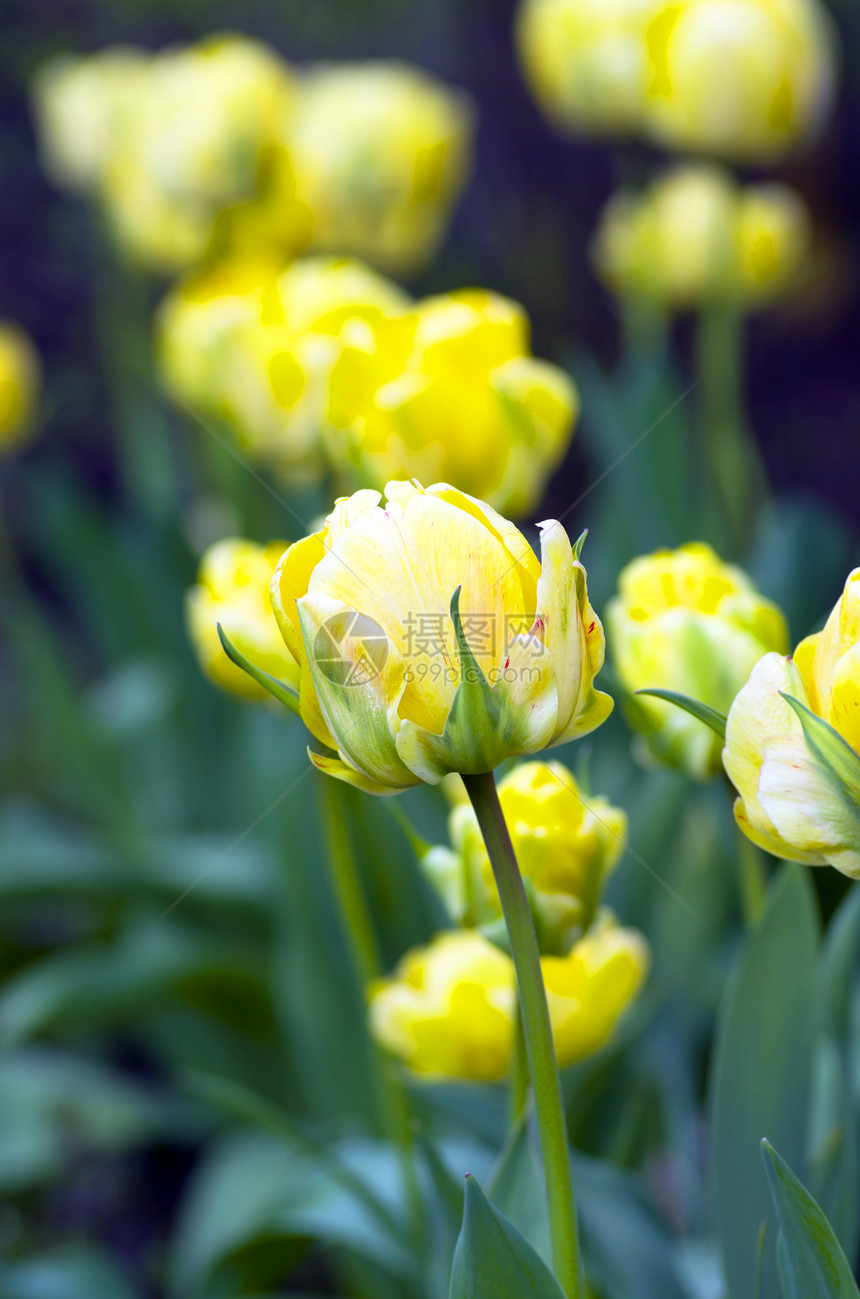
[[519, 1074], [733, 463], [543, 1068], [753, 881]]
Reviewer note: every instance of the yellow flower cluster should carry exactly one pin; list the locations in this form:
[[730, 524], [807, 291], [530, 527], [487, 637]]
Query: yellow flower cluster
[[797, 767], [232, 589], [684, 621], [745, 79], [696, 236], [566, 846], [222, 142], [327, 359], [19, 387], [449, 1010]]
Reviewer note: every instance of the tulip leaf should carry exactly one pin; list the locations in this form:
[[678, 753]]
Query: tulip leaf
[[579, 543], [283, 693], [829, 747], [475, 716], [493, 1259], [814, 1264], [702, 712], [761, 1080]]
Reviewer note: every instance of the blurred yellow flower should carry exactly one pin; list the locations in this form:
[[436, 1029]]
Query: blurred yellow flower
[[566, 845], [377, 153], [746, 79], [19, 387], [586, 61], [685, 621], [448, 390], [448, 1010], [798, 775], [232, 589], [252, 343], [696, 236], [404, 686]]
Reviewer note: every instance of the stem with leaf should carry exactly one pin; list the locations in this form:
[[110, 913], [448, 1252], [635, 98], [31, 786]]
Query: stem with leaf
[[540, 1050]]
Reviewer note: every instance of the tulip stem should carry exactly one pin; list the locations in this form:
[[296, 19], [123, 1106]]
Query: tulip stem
[[543, 1068], [519, 1074]]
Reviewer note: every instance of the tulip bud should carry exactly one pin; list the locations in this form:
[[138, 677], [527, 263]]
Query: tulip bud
[[697, 237], [448, 1011], [432, 640], [252, 343], [233, 589], [449, 391], [684, 621], [377, 154], [566, 847], [19, 387], [746, 79], [586, 61], [793, 745]]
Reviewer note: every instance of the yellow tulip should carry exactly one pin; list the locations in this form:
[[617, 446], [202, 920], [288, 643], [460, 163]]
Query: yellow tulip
[[449, 391], [19, 387], [797, 769], [376, 154], [685, 621], [252, 343], [586, 61], [566, 846], [746, 79], [233, 589], [448, 1011], [406, 685], [696, 237]]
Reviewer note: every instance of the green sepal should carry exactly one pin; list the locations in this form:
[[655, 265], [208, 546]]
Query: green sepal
[[474, 725], [702, 712], [277, 689], [812, 1257], [828, 746], [493, 1259], [578, 544]]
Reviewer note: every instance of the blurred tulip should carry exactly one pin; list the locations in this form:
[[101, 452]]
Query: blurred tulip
[[253, 343], [566, 847], [19, 387], [684, 621], [406, 685], [448, 1010], [377, 154], [797, 769], [586, 61], [696, 237], [232, 589], [745, 79], [448, 391]]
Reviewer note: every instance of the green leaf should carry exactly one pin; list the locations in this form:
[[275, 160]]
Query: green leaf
[[702, 712], [493, 1260], [817, 1268], [761, 1077], [475, 724], [829, 747], [278, 689], [517, 1189]]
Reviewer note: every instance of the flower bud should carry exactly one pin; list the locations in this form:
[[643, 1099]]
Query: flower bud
[[684, 621], [697, 237], [449, 391], [252, 343], [432, 640], [377, 154], [233, 589], [793, 745], [566, 846], [586, 61], [745, 79], [449, 1009], [19, 387]]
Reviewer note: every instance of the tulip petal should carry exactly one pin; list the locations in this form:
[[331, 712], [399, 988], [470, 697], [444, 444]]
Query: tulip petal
[[772, 843], [359, 680], [343, 771], [805, 803]]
